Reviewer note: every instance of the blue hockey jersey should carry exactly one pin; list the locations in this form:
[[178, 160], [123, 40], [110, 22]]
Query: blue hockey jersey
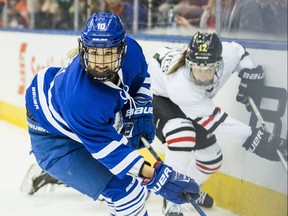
[[67, 102]]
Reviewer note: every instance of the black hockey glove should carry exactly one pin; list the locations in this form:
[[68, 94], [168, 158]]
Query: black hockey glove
[[263, 144], [250, 86]]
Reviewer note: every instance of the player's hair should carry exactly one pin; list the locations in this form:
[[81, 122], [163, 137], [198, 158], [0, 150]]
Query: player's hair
[[179, 64], [72, 53]]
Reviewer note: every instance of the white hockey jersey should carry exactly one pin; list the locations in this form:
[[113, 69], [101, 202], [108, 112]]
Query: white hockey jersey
[[192, 100]]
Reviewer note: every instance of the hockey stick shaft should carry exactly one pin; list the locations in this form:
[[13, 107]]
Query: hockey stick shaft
[[263, 125], [257, 113], [187, 196]]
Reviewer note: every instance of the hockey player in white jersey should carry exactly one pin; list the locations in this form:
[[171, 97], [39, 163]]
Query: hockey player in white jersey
[[184, 81], [75, 115]]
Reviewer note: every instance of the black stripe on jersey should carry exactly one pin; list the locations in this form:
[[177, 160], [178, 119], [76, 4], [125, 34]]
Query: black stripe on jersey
[[219, 159], [186, 149], [215, 111], [216, 124], [157, 57], [212, 161], [181, 129]]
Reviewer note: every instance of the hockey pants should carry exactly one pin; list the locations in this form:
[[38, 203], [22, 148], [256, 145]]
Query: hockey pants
[[70, 162]]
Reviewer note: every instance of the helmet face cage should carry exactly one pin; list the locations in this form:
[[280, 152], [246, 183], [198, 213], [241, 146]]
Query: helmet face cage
[[216, 67], [102, 46], [101, 64], [204, 54]]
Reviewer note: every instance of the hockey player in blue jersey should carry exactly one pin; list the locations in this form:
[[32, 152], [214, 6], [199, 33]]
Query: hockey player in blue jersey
[[76, 114]]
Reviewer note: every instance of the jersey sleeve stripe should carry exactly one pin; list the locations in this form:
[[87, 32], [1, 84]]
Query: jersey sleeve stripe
[[54, 113], [145, 91], [45, 109], [127, 161], [135, 170], [147, 80], [109, 148]]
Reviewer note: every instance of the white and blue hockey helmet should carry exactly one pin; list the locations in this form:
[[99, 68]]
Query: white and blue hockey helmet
[[102, 46]]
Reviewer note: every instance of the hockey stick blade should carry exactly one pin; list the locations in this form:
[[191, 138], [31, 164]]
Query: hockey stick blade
[[187, 196], [263, 125]]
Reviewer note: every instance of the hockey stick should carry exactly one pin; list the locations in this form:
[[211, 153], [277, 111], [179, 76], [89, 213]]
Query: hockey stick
[[187, 196], [264, 127]]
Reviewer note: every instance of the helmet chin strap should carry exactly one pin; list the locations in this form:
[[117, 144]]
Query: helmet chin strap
[[201, 83], [102, 76]]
